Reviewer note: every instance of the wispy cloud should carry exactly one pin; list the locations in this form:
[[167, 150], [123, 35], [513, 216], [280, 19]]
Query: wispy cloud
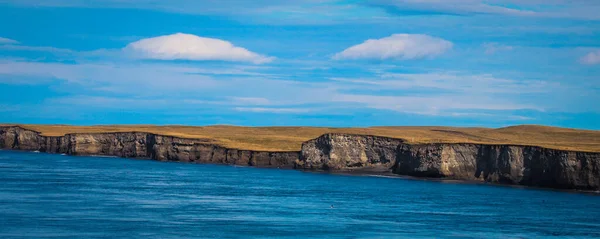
[[493, 47], [161, 85], [106, 102], [434, 105], [502, 116], [451, 7], [533, 8], [443, 93], [397, 46], [110, 77], [272, 12], [7, 41], [592, 58], [188, 84], [460, 83], [251, 100], [273, 110], [35, 48], [185, 6]]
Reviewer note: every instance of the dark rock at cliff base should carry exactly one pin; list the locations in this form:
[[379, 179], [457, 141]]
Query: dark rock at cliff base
[[506, 164]]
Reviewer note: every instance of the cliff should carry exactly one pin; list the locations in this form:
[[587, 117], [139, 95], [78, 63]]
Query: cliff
[[505, 164], [141, 145]]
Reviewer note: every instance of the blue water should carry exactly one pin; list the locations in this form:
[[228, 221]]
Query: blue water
[[56, 196]]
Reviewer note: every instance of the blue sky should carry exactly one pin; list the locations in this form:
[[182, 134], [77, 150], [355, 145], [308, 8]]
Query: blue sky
[[301, 62]]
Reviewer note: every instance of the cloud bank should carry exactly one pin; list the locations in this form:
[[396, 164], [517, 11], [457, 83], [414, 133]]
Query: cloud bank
[[397, 46], [182, 46]]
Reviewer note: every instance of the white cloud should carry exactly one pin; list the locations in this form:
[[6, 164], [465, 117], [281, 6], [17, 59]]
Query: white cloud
[[591, 58], [7, 41], [397, 46], [182, 46], [493, 47]]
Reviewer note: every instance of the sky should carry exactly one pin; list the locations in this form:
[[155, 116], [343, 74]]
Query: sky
[[332, 63]]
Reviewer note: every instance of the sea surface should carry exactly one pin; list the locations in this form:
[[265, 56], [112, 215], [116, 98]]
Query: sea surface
[[58, 196]]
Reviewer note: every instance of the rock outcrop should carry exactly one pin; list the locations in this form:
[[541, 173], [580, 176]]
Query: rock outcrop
[[505, 164], [343, 151]]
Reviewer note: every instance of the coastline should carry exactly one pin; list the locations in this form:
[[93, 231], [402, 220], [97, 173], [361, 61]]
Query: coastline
[[346, 154]]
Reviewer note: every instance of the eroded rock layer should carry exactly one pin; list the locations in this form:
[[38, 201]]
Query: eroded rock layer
[[506, 164]]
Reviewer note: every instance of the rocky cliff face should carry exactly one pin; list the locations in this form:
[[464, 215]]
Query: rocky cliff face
[[342, 151], [142, 145], [507, 164]]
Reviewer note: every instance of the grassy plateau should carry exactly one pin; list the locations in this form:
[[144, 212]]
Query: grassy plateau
[[291, 138]]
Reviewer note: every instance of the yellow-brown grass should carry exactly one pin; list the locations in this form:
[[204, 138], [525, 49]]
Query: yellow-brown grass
[[291, 138]]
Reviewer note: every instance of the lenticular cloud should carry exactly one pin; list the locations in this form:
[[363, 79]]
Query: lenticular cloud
[[182, 46], [397, 46]]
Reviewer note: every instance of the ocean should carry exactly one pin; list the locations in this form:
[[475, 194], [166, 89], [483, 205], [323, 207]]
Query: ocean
[[59, 196]]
